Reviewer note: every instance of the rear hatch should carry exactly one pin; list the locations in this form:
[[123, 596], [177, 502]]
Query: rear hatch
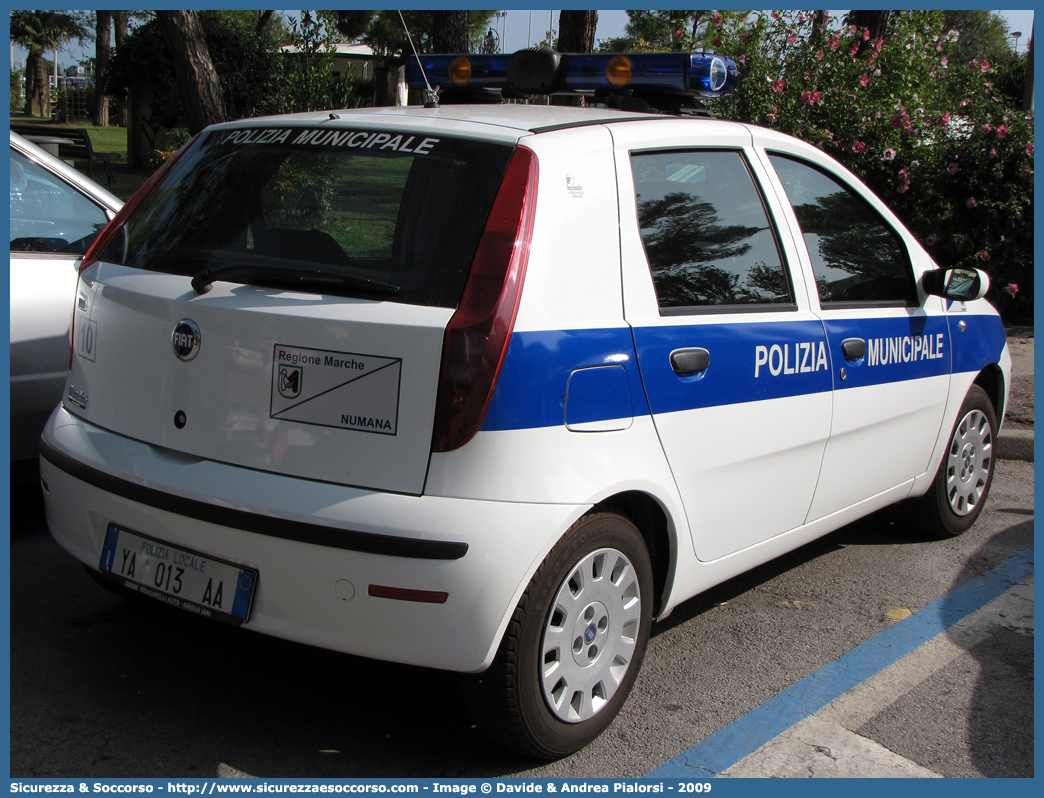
[[278, 299]]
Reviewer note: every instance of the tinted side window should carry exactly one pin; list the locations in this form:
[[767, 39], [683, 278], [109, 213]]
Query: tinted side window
[[47, 214], [856, 256], [706, 232]]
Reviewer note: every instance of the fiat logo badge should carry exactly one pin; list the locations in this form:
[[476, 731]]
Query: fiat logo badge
[[185, 339]]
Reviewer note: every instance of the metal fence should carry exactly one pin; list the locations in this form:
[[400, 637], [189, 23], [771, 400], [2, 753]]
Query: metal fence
[[72, 105]]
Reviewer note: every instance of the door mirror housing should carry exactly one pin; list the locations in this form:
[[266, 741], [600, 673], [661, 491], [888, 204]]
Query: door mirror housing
[[959, 285]]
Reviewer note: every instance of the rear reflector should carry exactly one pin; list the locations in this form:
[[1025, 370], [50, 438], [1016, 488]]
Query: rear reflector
[[478, 334], [405, 594]]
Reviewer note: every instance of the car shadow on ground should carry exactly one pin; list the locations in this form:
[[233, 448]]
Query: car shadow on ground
[[106, 686]]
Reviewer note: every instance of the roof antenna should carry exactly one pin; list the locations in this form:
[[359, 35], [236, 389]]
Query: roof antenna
[[431, 96]]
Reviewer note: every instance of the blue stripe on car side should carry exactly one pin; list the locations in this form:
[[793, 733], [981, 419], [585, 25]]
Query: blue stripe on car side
[[749, 361], [897, 348], [532, 385]]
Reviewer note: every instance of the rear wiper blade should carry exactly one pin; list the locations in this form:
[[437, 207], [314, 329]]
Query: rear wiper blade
[[290, 276]]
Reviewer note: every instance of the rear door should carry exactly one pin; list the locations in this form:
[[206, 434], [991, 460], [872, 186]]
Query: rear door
[[279, 300], [734, 362]]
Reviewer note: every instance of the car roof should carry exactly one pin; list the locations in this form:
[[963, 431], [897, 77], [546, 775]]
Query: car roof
[[495, 120], [531, 118]]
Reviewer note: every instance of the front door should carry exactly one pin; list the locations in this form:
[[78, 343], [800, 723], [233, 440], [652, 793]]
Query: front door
[[889, 346], [735, 365]]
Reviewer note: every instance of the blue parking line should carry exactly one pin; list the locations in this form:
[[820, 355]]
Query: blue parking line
[[763, 723]]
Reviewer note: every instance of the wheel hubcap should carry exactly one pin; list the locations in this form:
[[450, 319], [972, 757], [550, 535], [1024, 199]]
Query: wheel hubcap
[[590, 635], [968, 463], [592, 629]]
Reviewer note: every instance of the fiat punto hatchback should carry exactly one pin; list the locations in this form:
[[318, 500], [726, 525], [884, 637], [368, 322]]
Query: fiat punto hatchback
[[489, 388]]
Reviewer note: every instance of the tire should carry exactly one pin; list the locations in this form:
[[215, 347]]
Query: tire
[[574, 644], [961, 485]]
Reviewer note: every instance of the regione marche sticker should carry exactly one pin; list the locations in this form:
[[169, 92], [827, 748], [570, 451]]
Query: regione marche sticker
[[345, 390]]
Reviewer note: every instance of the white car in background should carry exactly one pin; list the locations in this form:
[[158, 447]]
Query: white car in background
[[56, 212]]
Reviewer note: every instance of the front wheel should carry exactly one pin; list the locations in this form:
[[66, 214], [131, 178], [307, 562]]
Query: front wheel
[[962, 483], [574, 644]]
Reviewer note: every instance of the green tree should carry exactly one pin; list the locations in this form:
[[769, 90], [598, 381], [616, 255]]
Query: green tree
[[16, 91], [246, 63], [449, 32], [384, 31], [984, 37], [38, 31], [665, 30], [198, 84], [103, 40], [984, 34], [673, 30], [120, 28], [392, 41], [932, 135], [306, 77]]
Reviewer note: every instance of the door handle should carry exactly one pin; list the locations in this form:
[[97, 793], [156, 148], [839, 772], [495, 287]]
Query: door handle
[[689, 361], [853, 348]]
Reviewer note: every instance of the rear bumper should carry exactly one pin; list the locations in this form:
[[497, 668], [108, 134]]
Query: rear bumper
[[317, 547]]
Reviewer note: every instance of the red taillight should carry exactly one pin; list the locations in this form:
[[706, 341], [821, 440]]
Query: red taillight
[[101, 243], [478, 334]]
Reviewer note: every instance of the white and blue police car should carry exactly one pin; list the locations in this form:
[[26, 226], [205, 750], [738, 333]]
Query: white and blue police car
[[490, 387]]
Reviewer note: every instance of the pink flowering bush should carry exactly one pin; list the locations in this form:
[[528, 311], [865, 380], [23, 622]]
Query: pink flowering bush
[[931, 135]]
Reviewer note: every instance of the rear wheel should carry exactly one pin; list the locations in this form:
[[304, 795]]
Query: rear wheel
[[962, 483], [574, 645]]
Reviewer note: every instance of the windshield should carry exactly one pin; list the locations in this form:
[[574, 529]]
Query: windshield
[[393, 214]]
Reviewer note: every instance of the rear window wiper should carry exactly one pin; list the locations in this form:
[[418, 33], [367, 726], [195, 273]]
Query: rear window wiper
[[289, 276]]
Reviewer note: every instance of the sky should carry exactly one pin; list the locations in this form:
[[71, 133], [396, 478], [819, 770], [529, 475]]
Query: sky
[[522, 28]]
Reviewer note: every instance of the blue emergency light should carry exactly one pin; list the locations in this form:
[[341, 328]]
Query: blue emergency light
[[650, 76], [701, 73]]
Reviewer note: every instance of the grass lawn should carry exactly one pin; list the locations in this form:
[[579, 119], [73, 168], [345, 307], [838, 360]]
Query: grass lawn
[[103, 139]]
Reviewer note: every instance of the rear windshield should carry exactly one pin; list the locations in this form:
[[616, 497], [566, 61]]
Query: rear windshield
[[392, 215]]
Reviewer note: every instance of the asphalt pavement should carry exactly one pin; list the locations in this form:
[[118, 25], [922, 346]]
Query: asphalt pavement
[[946, 692], [872, 650], [1016, 443], [885, 721]]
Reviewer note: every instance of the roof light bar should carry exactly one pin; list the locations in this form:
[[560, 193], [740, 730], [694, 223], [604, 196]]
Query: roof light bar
[[704, 74], [546, 72], [459, 71]]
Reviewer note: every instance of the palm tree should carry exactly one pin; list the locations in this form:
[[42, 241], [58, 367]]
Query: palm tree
[[38, 31]]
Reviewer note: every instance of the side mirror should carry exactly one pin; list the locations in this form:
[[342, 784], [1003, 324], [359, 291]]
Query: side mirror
[[960, 285]]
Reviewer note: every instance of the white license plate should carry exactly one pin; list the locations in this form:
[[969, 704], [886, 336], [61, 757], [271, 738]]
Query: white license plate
[[176, 576]]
